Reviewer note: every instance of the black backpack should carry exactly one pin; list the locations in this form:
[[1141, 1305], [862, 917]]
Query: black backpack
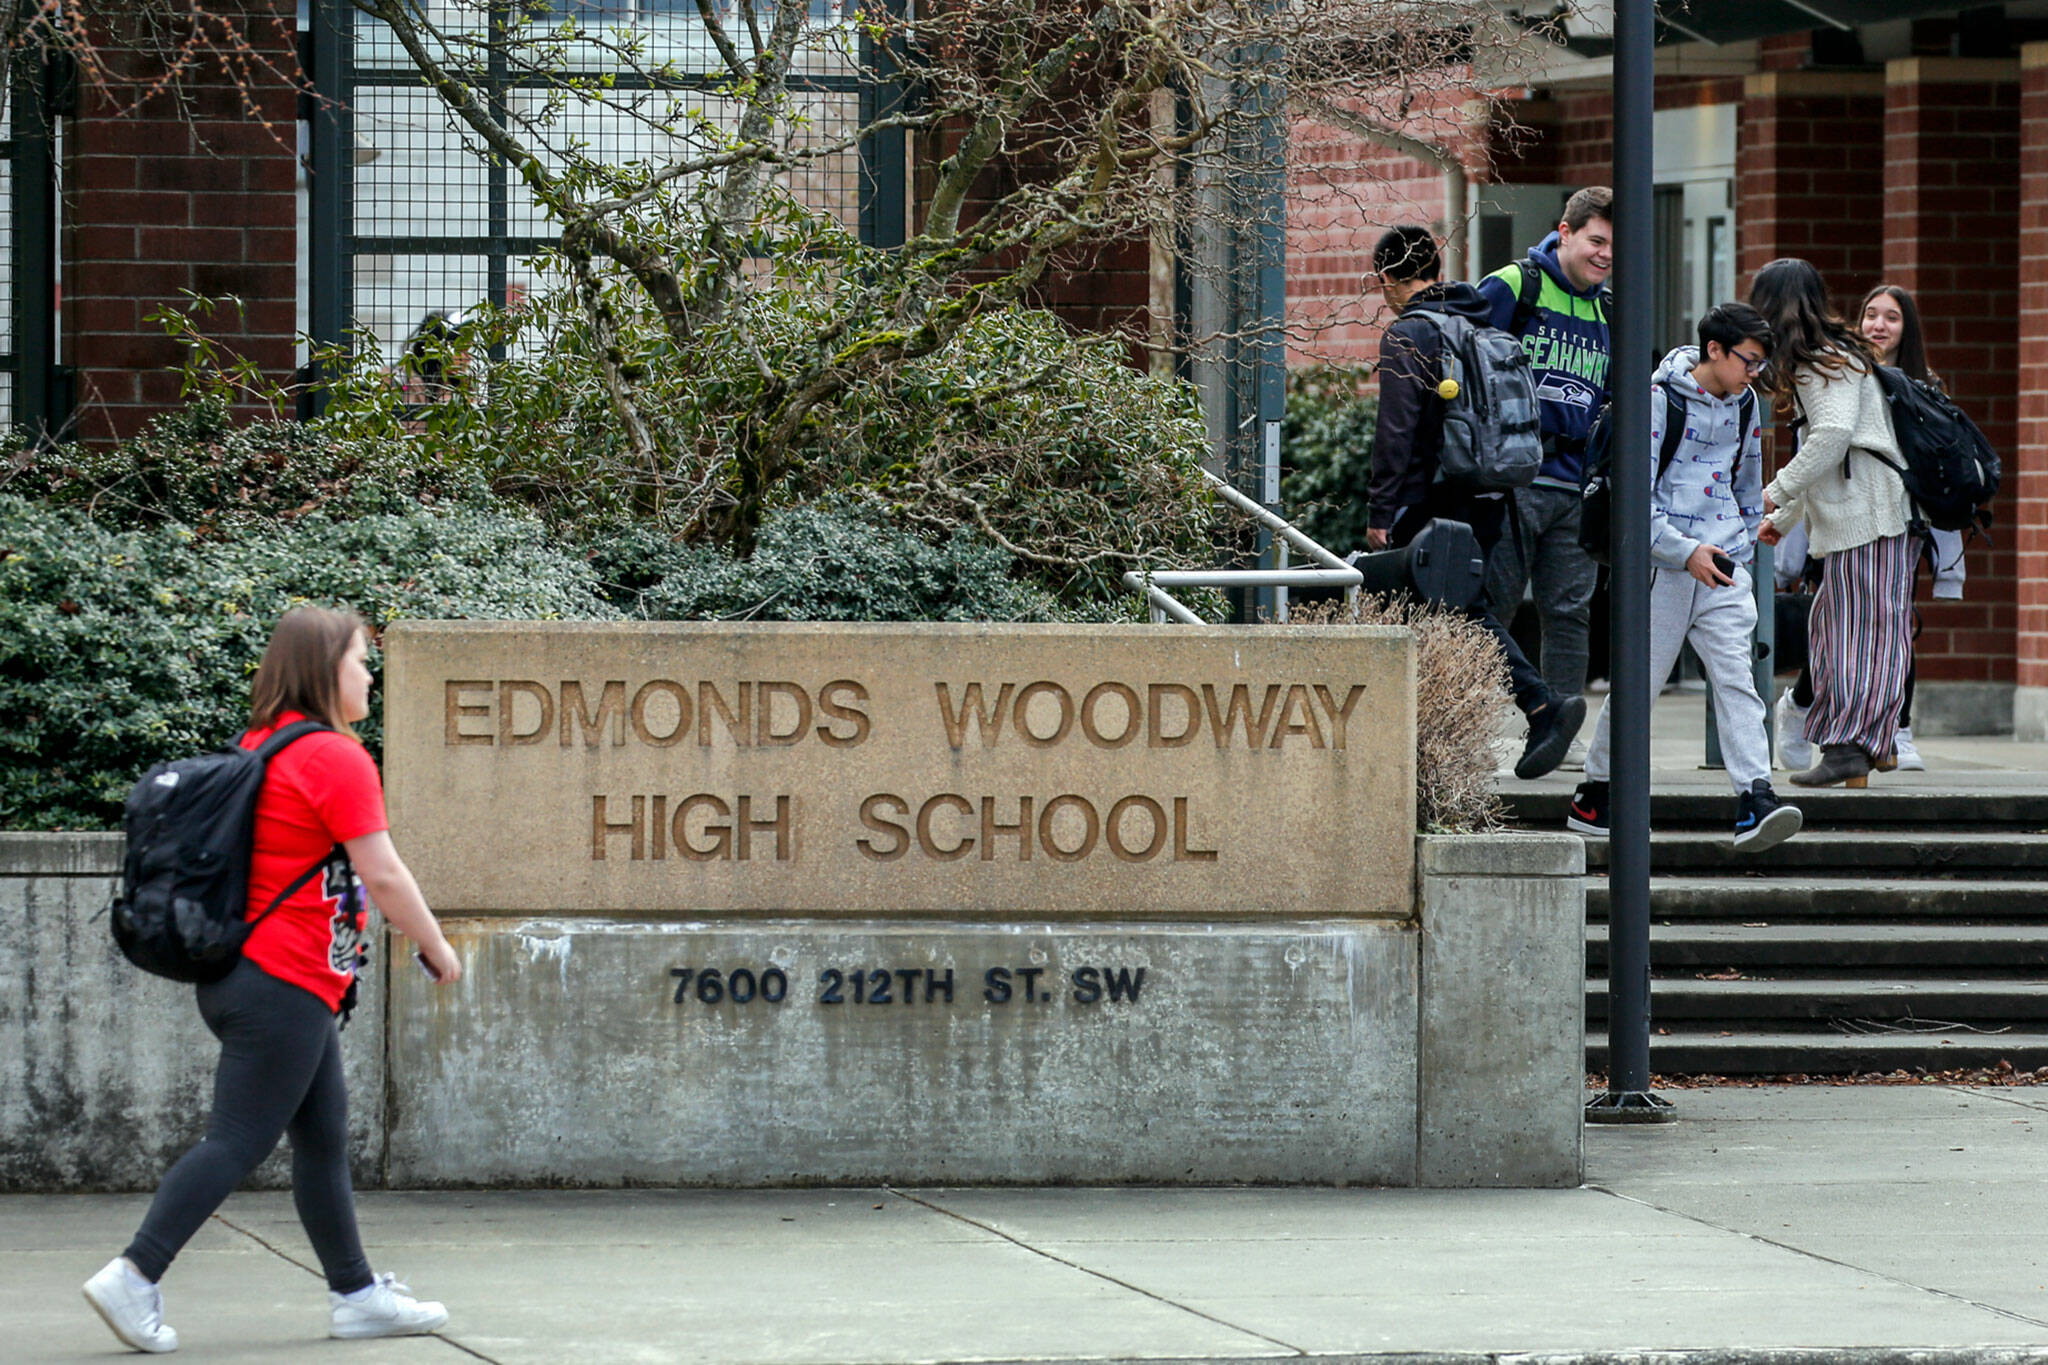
[[185, 882], [1949, 469], [1596, 481]]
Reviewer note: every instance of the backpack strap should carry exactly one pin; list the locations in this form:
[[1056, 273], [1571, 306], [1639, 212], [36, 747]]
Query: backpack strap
[[267, 750], [1440, 323], [283, 739], [1526, 294], [1674, 430], [281, 897], [1746, 415]]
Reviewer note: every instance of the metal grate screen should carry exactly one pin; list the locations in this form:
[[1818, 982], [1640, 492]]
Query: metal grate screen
[[428, 225]]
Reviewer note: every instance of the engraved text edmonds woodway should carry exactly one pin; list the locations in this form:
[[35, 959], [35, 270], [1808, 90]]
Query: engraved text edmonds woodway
[[1051, 769]]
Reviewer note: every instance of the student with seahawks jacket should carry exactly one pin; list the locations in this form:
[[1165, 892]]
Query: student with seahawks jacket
[[1408, 489]]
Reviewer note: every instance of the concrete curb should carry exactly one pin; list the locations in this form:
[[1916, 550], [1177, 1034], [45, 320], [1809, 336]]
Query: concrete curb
[[1714, 1355], [68, 854]]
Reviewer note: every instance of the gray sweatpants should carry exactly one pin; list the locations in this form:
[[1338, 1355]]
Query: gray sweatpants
[[1546, 557], [1721, 623]]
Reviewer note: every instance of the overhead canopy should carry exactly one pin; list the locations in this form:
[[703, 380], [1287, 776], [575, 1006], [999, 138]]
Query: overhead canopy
[[1735, 21], [1729, 21]]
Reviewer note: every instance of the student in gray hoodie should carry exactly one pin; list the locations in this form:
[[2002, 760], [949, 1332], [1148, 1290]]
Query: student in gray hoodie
[[1705, 507]]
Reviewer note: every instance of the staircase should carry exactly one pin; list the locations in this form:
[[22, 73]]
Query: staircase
[[1900, 929]]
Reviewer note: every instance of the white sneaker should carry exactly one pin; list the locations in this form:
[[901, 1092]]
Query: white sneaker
[[1574, 759], [1908, 756], [132, 1307], [386, 1309], [1795, 751]]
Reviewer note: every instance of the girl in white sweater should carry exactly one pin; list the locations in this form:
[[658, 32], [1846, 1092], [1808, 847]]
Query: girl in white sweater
[[1855, 512], [1891, 324]]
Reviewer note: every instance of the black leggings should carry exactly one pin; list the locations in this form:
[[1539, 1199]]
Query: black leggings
[[280, 1073]]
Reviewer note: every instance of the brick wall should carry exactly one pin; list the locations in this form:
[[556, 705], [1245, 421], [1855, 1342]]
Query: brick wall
[[2025, 495], [1784, 51], [1809, 177], [1952, 238], [193, 191], [1584, 132], [1342, 194], [1104, 288], [1101, 286]]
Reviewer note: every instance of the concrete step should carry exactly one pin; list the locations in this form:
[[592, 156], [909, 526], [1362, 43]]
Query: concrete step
[[1772, 899], [1862, 852], [1885, 999], [1858, 947], [1827, 808], [1714, 1052]]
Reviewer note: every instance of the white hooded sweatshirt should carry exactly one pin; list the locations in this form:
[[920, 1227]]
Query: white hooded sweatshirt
[[1707, 496]]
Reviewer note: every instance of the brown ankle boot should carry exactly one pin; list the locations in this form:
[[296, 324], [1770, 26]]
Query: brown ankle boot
[[1846, 764]]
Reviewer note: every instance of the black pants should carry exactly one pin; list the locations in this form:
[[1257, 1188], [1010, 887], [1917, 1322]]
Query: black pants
[[280, 1074], [1486, 516]]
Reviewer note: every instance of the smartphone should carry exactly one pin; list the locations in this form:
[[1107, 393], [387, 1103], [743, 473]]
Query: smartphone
[[1724, 564], [425, 966]]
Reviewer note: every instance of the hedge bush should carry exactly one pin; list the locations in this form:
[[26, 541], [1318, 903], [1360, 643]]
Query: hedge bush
[[1327, 437], [120, 648], [828, 564], [197, 466], [1035, 438]]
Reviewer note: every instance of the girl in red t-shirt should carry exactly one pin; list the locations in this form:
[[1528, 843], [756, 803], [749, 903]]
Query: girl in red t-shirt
[[322, 806]]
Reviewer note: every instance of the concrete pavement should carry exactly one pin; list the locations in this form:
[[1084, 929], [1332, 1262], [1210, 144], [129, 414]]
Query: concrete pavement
[[1678, 724], [1858, 1223]]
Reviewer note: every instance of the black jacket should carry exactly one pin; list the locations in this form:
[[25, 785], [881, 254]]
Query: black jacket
[[1410, 427]]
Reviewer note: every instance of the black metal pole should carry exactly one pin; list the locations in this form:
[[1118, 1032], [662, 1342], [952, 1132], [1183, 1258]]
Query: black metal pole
[[33, 200], [329, 252], [498, 77], [1269, 235], [1628, 1098], [884, 157]]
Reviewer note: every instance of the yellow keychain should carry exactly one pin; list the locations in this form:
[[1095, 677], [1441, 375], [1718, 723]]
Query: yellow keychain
[[1447, 390]]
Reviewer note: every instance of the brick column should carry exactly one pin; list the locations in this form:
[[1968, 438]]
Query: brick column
[[2023, 510], [1951, 236], [1810, 174], [162, 199]]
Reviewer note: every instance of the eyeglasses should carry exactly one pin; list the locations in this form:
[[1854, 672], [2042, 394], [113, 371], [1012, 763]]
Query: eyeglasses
[[1749, 366]]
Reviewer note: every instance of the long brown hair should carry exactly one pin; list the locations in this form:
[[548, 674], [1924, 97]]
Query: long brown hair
[[301, 668], [1808, 334], [1911, 355]]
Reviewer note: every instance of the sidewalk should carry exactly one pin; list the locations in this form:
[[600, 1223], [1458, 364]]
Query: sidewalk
[[1859, 1220], [1678, 726]]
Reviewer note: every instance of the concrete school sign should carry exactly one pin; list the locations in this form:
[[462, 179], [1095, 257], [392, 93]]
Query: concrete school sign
[[877, 769], [843, 903]]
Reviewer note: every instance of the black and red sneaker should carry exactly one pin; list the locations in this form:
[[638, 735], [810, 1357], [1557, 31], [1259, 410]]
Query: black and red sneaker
[[1588, 813]]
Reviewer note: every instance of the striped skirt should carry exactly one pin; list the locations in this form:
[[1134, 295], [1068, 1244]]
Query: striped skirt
[[1860, 639]]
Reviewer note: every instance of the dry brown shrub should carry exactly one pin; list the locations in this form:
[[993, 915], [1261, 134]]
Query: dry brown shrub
[[1461, 706]]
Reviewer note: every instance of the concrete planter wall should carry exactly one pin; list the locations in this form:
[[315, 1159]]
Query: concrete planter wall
[[1503, 1022], [1464, 1029], [106, 1072]]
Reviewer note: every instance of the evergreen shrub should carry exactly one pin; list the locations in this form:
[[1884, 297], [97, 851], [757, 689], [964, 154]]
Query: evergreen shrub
[[123, 647], [1327, 440]]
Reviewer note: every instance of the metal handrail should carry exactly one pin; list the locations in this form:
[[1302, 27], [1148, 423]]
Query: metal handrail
[[1334, 573], [1273, 521]]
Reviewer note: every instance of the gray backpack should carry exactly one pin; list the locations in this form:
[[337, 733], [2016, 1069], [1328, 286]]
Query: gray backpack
[[1493, 434]]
